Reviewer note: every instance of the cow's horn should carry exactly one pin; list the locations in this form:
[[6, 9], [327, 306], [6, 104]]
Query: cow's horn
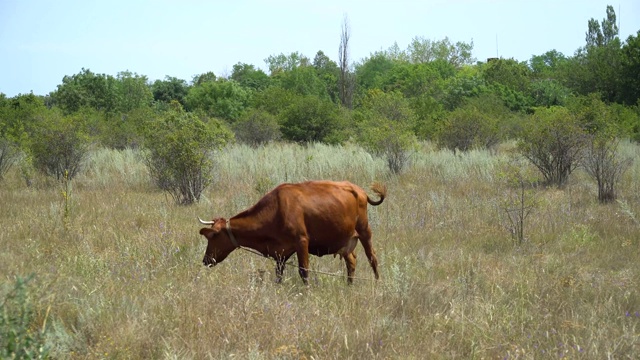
[[205, 222]]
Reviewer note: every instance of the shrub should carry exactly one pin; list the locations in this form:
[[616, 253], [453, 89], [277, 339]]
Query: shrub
[[257, 127], [20, 337], [553, 141], [221, 98], [311, 119], [480, 123], [179, 147], [12, 135], [385, 128], [519, 197], [124, 131], [465, 129], [549, 92], [9, 155], [391, 140], [603, 163], [59, 145]]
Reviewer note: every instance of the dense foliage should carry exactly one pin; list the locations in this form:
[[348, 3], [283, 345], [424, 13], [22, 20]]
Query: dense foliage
[[18, 340], [179, 152], [433, 90]]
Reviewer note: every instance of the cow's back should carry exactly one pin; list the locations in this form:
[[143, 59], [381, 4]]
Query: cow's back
[[326, 211]]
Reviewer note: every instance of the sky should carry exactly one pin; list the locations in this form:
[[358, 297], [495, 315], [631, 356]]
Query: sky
[[42, 41]]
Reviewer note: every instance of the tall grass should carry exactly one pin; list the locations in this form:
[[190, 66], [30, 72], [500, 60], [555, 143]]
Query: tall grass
[[123, 278]]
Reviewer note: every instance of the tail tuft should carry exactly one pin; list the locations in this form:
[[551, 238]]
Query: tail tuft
[[381, 190]]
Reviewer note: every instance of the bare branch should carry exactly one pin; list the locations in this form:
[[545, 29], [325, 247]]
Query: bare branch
[[346, 83]]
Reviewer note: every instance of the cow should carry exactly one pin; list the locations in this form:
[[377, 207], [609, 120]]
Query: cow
[[313, 217]]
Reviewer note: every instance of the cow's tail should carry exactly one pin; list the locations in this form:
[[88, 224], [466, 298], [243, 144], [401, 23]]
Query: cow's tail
[[380, 190]]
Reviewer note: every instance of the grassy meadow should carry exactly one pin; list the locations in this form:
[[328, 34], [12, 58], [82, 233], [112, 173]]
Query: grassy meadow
[[117, 273]]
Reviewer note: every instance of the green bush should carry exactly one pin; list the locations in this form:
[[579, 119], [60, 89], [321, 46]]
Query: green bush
[[20, 336], [553, 140], [465, 129], [311, 119], [386, 128], [257, 127], [124, 130], [394, 141], [9, 155], [179, 148], [224, 99], [604, 164], [12, 134], [481, 123], [59, 145]]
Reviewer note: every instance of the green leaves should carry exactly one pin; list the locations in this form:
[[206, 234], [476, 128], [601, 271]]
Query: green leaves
[[180, 148], [553, 140], [59, 144], [171, 88], [257, 127], [385, 128], [133, 91], [87, 89], [597, 35], [102, 92], [249, 77], [224, 99], [630, 70], [508, 72], [311, 119], [422, 50], [20, 336]]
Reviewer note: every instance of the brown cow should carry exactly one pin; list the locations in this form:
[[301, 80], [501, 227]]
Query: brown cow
[[314, 217]]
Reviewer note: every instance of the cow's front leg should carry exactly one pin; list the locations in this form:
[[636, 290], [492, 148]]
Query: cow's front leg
[[281, 262], [303, 259]]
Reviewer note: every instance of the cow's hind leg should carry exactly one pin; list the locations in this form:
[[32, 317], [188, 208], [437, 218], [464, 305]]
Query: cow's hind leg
[[350, 260], [367, 243]]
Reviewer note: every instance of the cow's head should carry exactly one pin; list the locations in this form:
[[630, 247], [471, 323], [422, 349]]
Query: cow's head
[[219, 244]]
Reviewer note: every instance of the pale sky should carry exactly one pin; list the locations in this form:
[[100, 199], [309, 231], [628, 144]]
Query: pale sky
[[42, 41]]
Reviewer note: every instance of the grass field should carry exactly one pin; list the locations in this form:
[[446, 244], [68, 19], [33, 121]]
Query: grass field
[[117, 269]]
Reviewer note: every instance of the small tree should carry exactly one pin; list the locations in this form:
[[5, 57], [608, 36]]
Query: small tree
[[311, 119], [9, 154], [389, 139], [603, 163], [15, 115], [257, 127], [21, 334], [224, 99], [553, 142], [385, 128], [59, 145], [467, 128], [519, 198], [481, 123], [179, 147]]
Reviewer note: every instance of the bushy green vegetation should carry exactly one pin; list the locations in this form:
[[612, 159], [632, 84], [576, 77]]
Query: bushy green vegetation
[[434, 90], [179, 148], [59, 144], [21, 337]]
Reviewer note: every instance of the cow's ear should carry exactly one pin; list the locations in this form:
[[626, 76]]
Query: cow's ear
[[208, 232]]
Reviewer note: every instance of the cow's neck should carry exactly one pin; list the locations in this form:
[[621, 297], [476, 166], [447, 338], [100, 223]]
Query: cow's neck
[[230, 233], [246, 231]]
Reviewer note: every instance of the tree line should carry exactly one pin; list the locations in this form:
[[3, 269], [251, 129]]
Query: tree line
[[387, 102]]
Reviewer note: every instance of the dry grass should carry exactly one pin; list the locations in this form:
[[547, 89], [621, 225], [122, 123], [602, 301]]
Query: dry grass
[[121, 272]]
